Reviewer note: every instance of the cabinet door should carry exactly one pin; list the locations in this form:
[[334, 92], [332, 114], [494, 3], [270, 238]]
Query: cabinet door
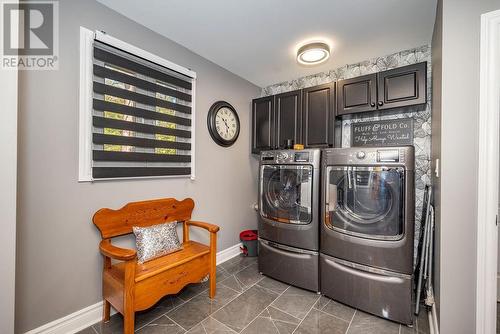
[[403, 86], [318, 115], [262, 124], [288, 114], [357, 94]]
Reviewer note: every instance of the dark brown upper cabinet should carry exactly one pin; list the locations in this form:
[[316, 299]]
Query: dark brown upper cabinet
[[396, 88], [288, 113], [357, 94], [263, 124], [318, 113], [402, 86]]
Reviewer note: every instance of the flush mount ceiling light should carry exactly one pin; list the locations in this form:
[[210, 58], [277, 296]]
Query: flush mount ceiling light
[[313, 53]]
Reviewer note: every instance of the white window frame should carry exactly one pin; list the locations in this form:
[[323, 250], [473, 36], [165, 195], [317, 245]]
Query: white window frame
[[87, 38]]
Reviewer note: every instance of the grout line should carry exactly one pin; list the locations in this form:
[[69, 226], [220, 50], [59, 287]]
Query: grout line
[[148, 323], [284, 321], [176, 322], [203, 326], [187, 300], [240, 283], [178, 306], [269, 289], [245, 267], [279, 295], [95, 330], [329, 300], [333, 315], [273, 306], [154, 319], [234, 274], [300, 323], [237, 295], [232, 330], [228, 287], [350, 322], [274, 325], [258, 316]]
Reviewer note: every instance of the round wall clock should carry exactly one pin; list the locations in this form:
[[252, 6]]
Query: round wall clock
[[223, 123]]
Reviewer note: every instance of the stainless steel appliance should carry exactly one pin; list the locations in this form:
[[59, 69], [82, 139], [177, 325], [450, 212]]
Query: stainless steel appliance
[[289, 216], [368, 210]]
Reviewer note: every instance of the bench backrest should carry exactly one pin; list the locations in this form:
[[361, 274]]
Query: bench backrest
[[113, 223]]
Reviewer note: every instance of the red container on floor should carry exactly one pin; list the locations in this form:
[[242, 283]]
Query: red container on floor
[[249, 242]]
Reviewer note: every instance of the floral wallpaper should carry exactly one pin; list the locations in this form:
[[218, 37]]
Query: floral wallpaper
[[420, 115]]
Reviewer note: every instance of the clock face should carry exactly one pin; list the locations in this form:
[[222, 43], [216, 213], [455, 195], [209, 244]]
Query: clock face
[[223, 123], [226, 123]]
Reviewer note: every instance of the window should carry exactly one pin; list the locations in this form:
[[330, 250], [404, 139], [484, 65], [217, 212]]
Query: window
[[136, 112]]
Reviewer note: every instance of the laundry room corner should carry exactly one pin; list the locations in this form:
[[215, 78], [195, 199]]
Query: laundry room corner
[[421, 116]]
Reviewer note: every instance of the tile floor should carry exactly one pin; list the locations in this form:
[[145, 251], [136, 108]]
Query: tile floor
[[249, 303]]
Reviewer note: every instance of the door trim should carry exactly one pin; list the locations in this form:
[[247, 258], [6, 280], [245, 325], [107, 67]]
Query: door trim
[[9, 80], [487, 188]]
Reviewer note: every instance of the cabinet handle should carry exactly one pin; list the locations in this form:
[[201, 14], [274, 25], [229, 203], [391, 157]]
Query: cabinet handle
[[380, 103], [372, 104]]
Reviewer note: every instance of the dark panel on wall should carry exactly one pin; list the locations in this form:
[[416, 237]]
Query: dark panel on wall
[[263, 127], [402, 86], [357, 94], [288, 117], [318, 115]]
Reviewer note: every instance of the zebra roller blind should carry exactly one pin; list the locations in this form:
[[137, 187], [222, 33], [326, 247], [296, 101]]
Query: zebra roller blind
[[142, 117]]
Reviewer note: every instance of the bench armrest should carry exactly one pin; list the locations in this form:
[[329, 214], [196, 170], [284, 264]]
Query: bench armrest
[[209, 227], [117, 253]]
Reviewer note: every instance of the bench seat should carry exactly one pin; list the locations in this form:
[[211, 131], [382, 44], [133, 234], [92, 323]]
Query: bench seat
[[190, 251]]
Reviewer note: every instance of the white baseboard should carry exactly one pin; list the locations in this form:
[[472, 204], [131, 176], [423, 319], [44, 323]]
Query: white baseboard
[[73, 322], [228, 253], [92, 314]]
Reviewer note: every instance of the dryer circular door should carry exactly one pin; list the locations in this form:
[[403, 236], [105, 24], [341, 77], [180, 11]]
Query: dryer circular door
[[286, 193], [365, 201]]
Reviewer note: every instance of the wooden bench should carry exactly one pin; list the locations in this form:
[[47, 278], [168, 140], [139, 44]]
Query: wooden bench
[[129, 286]]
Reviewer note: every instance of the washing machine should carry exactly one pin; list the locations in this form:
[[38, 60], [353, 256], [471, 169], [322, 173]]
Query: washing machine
[[289, 216], [368, 210]]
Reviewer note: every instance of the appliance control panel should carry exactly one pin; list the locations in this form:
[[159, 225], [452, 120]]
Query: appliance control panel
[[301, 157], [370, 156], [388, 156], [311, 156], [378, 155]]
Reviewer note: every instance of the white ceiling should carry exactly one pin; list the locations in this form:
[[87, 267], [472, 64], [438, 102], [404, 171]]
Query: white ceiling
[[257, 39]]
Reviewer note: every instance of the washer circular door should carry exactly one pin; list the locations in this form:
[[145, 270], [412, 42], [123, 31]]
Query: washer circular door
[[366, 201], [286, 193]]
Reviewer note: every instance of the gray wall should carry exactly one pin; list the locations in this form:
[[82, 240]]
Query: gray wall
[[437, 40], [8, 171], [58, 264], [458, 128]]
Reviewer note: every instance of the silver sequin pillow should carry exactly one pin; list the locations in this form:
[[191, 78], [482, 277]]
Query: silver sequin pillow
[[156, 241]]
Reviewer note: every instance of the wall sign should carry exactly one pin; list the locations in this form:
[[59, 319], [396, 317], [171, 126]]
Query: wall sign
[[392, 132]]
